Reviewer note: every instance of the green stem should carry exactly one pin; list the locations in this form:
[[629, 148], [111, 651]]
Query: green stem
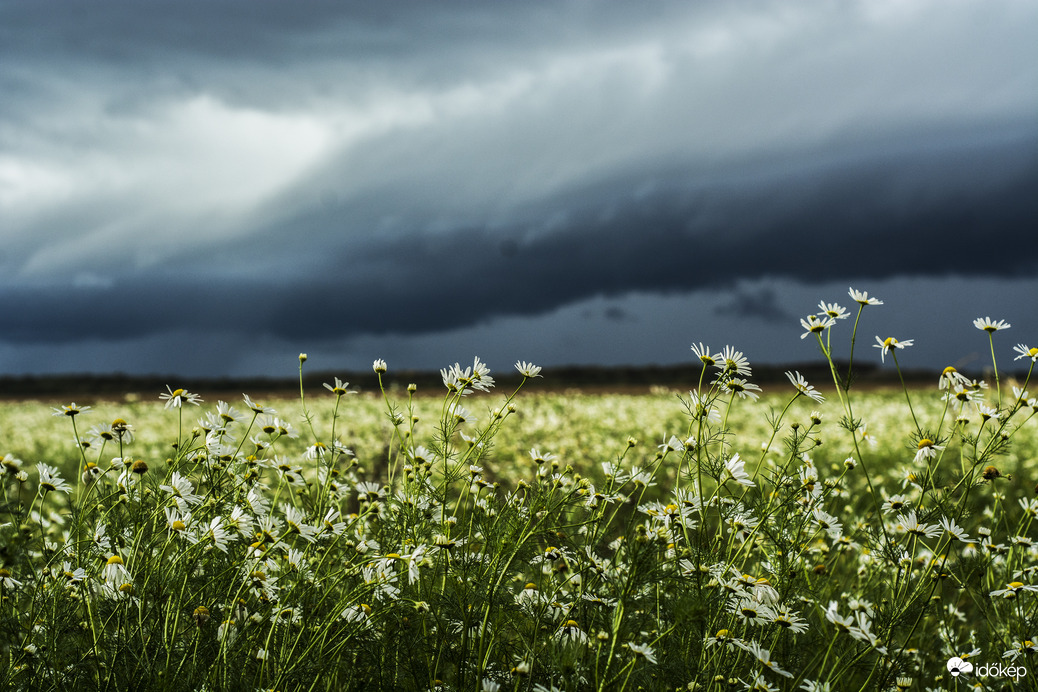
[[998, 385], [904, 388]]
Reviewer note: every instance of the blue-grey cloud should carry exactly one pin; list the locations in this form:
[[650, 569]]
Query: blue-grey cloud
[[899, 216], [758, 304], [350, 169]]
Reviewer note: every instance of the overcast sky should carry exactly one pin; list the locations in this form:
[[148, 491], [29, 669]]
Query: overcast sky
[[210, 188]]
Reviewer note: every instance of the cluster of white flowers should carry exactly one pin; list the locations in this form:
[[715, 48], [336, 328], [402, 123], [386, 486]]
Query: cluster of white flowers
[[716, 553]]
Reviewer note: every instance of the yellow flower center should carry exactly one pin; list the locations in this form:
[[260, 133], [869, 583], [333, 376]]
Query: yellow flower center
[[949, 370], [115, 560], [925, 442], [889, 341], [178, 392]]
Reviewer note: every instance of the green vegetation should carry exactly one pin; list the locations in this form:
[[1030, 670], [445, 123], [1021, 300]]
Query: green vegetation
[[712, 537]]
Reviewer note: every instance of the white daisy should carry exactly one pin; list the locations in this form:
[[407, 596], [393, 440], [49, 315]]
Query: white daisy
[[643, 650], [258, 409], [732, 361], [1021, 648], [528, 369], [951, 377], [51, 480], [114, 572], [175, 398], [182, 490], [340, 388], [752, 611], [910, 524], [764, 658], [862, 297], [990, 326], [1012, 589], [736, 469], [9, 582], [70, 410], [787, 619], [843, 623], [833, 310], [827, 522], [1026, 352], [240, 521], [813, 325], [703, 353], [886, 345], [927, 449], [215, 533], [740, 387], [801, 385]]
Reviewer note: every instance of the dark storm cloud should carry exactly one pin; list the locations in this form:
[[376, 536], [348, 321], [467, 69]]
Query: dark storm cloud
[[282, 55], [949, 212], [271, 170]]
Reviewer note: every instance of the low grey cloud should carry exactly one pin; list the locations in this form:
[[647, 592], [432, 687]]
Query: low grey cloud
[[616, 314], [755, 303]]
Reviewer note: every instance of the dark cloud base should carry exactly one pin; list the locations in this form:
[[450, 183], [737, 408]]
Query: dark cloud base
[[951, 212]]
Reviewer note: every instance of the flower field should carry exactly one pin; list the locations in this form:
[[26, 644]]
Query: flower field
[[708, 536]]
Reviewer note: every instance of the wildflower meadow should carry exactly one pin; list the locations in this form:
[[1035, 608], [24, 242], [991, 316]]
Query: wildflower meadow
[[712, 536]]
